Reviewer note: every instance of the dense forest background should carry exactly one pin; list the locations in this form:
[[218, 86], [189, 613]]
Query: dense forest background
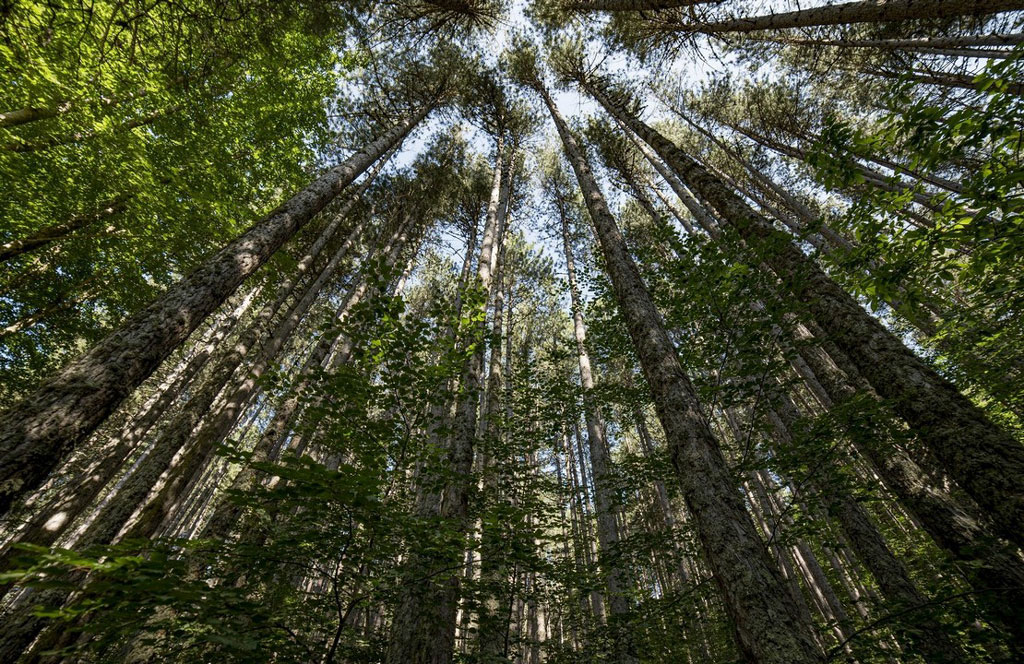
[[430, 331]]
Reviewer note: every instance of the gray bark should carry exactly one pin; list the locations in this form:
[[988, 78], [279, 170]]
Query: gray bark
[[768, 628], [41, 430], [941, 45], [994, 571], [53, 519], [628, 5], [616, 579], [862, 11], [268, 447], [985, 460], [946, 80], [423, 630]]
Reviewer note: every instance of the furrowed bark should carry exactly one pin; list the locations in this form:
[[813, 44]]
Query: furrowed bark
[[53, 519], [628, 5], [768, 627], [40, 431], [994, 570], [863, 11], [985, 460], [873, 551]]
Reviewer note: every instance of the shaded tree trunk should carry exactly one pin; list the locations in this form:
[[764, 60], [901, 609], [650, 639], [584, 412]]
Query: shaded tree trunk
[[41, 430], [767, 626], [994, 571], [862, 11], [628, 5], [53, 519], [945, 80], [616, 578], [985, 460], [80, 137], [423, 629]]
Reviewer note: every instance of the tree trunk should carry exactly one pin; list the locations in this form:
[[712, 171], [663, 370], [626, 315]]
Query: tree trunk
[[106, 525], [995, 571], [20, 145], [946, 80], [41, 430], [628, 5], [423, 630], [767, 625], [966, 46], [53, 519], [493, 570], [161, 504], [862, 11], [268, 447], [616, 579], [805, 214], [704, 219], [985, 460], [171, 445]]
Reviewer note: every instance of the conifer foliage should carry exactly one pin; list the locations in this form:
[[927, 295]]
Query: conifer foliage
[[562, 331]]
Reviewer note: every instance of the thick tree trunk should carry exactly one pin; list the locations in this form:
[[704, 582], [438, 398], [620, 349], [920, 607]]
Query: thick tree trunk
[[873, 551], [767, 625], [985, 460], [995, 571], [628, 5], [862, 11], [967, 46], [493, 570], [36, 434], [163, 502], [108, 523], [53, 519]]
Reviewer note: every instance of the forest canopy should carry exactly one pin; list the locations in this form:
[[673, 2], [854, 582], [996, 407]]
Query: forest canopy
[[512, 331]]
